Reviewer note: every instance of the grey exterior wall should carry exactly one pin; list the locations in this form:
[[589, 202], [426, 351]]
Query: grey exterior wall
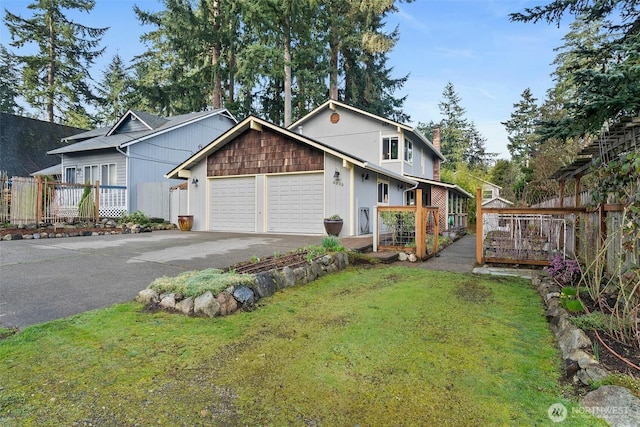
[[361, 136], [97, 158], [151, 159]]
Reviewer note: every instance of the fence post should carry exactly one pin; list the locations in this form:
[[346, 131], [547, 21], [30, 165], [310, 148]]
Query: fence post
[[421, 232], [479, 222], [376, 233], [40, 197], [96, 205]]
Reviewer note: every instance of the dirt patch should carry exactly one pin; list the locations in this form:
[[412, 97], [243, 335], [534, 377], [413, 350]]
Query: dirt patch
[[471, 291]]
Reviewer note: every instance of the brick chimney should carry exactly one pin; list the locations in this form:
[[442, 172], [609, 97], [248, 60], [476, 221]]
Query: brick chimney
[[436, 159]]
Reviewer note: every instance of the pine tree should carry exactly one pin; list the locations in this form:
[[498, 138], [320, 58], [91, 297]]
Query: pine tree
[[454, 127], [521, 128], [56, 78], [9, 83], [114, 90]]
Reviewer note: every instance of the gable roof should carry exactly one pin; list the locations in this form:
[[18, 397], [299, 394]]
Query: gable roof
[[109, 137], [499, 199], [479, 179], [252, 122], [333, 105]]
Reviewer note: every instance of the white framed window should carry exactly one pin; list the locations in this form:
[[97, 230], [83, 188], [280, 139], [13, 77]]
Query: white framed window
[[390, 148], [487, 194], [410, 198], [91, 174], [408, 151], [383, 192], [108, 174], [70, 175]]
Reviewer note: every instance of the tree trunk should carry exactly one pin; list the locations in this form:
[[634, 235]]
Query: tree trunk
[[287, 72], [333, 69], [51, 70], [216, 96]]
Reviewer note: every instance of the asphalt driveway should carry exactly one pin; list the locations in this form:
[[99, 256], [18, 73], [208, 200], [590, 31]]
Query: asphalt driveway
[[47, 279]]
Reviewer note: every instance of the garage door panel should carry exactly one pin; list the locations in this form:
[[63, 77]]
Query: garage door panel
[[295, 203], [233, 204]]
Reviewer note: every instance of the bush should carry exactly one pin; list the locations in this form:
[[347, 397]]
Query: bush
[[331, 243], [137, 217]]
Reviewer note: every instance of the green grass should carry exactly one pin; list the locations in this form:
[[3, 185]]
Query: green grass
[[373, 346]]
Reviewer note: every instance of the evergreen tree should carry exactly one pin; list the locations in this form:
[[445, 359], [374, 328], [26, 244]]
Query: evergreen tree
[[454, 135], [114, 89], [477, 158], [521, 128], [606, 92], [56, 78], [9, 83]]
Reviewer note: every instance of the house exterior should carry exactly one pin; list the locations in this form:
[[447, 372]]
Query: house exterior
[[130, 158], [260, 177], [394, 146]]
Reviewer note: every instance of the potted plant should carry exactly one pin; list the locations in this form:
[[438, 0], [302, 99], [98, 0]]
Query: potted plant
[[333, 225]]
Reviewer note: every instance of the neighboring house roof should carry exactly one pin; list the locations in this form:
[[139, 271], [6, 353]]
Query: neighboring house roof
[[333, 104], [24, 143], [152, 126], [446, 185], [479, 179], [51, 170], [497, 199], [255, 123]]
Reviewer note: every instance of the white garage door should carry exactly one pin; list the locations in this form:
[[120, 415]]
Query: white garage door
[[232, 205], [295, 203]]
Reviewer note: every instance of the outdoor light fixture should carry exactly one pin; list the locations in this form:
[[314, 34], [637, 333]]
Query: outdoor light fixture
[[194, 181], [336, 175], [365, 176], [400, 186]]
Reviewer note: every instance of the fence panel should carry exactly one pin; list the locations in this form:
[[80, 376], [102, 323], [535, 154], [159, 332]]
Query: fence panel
[[5, 197], [24, 201]]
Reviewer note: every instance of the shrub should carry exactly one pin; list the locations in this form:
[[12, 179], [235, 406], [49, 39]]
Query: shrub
[[564, 271], [331, 243], [137, 217]]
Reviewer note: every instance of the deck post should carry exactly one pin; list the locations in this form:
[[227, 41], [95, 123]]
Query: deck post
[[421, 232], [96, 205], [479, 226]]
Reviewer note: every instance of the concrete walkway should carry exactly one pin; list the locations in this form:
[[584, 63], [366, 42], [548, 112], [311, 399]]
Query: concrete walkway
[[458, 257]]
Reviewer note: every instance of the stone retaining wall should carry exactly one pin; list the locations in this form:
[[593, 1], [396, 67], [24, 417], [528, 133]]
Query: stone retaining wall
[[243, 297], [33, 231]]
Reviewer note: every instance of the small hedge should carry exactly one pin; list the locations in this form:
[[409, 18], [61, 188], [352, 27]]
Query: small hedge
[[195, 283]]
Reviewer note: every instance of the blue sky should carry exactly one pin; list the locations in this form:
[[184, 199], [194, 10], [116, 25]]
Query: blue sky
[[470, 43]]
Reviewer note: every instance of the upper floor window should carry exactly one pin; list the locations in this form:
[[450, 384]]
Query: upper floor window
[[390, 148], [408, 151], [487, 194]]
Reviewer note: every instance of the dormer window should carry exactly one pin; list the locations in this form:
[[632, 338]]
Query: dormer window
[[390, 148]]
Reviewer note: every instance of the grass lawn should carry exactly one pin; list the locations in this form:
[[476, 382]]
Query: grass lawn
[[375, 346]]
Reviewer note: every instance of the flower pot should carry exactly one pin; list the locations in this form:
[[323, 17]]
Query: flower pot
[[185, 222], [333, 226]]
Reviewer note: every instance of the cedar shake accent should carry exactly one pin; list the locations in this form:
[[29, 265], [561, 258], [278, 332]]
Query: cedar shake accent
[[439, 199], [255, 152]]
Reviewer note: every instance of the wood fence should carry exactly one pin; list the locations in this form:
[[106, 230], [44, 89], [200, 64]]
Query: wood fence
[[414, 228], [39, 201], [534, 236]]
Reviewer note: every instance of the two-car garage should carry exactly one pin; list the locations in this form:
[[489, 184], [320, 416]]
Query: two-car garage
[[278, 203]]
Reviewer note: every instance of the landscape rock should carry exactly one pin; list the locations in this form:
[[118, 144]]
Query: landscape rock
[[207, 305], [186, 306], [412, 258], [592, 374], [616, 405], [265, 285], [572, 340], [168, 301], [228, 303], [402, 256], [288, 276], [147, 296], [244, 295]]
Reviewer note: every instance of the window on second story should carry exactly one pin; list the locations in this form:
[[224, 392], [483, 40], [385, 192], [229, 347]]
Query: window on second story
[[383, 192], [408, 151], [487, 194], [390, 148]]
